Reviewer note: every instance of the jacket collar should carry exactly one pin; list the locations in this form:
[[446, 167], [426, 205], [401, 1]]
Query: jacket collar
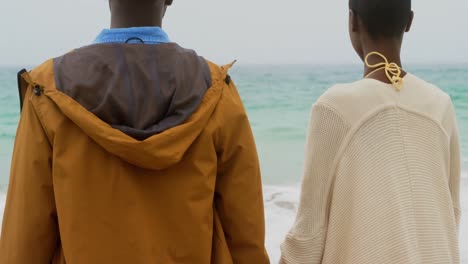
[[146, 35]]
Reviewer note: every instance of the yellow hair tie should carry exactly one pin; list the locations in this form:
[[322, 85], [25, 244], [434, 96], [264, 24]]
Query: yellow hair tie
[[392, 70]]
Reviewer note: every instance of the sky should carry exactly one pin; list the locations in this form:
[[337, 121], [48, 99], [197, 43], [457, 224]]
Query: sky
[[253, 32]]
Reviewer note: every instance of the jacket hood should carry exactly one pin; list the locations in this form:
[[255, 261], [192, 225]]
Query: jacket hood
[[143, 103], [141, 90]]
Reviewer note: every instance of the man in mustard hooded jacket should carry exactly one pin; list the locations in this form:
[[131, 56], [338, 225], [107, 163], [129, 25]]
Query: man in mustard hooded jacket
[[133, 150]]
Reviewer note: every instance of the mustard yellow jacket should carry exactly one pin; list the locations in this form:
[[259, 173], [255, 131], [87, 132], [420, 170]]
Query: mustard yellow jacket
[[82, 191]]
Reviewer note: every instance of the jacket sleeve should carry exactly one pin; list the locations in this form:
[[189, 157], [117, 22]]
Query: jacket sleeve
[[238, 196], [30, 229], [305, 241]]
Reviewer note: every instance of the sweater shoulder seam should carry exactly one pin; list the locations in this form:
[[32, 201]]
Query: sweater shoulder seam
[[334, 110], [369, 115]]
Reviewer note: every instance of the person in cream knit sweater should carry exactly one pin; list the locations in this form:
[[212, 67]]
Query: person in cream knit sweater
[[382, 170]]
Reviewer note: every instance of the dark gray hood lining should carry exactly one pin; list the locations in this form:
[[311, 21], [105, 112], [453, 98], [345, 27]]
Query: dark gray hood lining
[[142, 90]]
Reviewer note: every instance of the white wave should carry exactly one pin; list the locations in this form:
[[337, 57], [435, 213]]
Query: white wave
[[280, 210]]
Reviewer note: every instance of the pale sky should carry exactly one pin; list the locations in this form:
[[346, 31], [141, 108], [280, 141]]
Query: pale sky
[[253, 32]]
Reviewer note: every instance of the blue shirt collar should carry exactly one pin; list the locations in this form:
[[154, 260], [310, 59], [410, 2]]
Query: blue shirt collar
[[146, 35]]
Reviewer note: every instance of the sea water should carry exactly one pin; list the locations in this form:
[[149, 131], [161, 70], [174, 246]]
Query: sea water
[[278, 100]]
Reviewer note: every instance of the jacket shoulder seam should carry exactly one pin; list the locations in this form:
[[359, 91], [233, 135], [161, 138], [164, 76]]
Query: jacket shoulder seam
[[40, 116]]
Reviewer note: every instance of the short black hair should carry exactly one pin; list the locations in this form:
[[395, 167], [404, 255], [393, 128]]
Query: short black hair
[[383, 18]]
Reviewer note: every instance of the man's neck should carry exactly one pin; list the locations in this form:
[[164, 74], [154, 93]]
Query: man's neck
[[128, 23], [124, 17]]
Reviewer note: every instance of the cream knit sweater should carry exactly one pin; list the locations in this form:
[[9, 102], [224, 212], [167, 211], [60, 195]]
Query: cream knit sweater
[[381, 181]]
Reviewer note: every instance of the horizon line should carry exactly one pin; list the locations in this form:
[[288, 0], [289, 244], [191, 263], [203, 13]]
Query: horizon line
[[318, 64]]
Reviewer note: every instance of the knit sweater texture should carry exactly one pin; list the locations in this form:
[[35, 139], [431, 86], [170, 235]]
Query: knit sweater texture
[[382, 177]]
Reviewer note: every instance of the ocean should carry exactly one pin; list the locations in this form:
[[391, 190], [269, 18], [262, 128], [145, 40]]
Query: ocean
[[278, 100]]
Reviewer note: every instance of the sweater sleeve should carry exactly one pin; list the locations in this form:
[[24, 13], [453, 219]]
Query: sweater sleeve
[[30, 228], [305, 242], [455, 165]]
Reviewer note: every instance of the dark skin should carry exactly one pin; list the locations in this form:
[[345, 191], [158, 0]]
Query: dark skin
[[141, 13], [363, 43]]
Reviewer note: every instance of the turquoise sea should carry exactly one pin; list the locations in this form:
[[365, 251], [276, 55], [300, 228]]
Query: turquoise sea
[[278, 100]]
